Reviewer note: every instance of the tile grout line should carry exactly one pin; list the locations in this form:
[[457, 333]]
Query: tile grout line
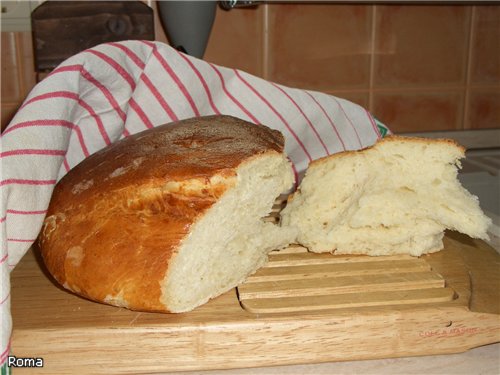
[[413, 89], [20, 66], [372, 59], [265, 42], [468, 69]]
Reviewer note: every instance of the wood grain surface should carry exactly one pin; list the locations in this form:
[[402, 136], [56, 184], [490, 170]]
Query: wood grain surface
[[457, 308]]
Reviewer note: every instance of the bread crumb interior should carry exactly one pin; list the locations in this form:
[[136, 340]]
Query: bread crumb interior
[[231, 240]]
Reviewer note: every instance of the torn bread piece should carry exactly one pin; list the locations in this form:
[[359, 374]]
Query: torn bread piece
[[396, 197]]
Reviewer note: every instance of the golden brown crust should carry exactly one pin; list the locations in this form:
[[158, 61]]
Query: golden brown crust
[[116, 220], [392, 138]]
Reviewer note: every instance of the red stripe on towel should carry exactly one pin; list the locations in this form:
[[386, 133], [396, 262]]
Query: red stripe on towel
[[287, 125], [144, 118], [5, 353], [33, 152], [349, 120], [375, 127], [20, 240], [115, 65], [20, 181], [48, 122], [81, 102], [23, 212], [131, 54], [305, 117], [66, 165], [121, 70], [233, 99], [159, 97], [329, 119], [44, 122], [203, 83], [1, 303], [177, 81], [154, 91], [89, 77]]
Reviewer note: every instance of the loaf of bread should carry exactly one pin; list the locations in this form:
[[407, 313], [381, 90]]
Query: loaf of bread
[[168, 218], [396, 197]]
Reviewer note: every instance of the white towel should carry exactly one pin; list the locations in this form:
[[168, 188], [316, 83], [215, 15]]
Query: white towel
[[116, 89]]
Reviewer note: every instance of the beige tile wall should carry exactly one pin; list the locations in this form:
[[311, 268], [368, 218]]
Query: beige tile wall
[[415, 67], [18, 75]]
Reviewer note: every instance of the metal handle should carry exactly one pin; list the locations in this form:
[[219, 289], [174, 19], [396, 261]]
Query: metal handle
[[230, 4]]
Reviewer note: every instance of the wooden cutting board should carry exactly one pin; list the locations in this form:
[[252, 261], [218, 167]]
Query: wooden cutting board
[[300, 308]]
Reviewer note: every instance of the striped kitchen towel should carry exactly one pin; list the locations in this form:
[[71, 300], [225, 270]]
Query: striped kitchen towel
[[113, 90]]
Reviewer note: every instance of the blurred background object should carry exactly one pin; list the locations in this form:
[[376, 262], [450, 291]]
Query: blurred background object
[[188, 24]]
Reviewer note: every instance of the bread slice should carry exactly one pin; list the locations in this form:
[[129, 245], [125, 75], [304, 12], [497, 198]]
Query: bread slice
[[168, 218], [396, 197]]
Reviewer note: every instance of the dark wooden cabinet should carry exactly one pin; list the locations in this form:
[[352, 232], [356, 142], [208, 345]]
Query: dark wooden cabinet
[[64, 28]]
